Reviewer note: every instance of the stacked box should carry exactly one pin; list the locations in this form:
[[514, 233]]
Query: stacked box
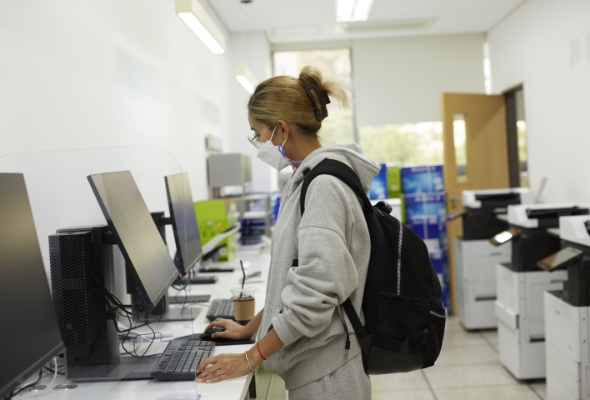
[[394, 187], [431, 231], [430, 205], [378, 189], [422, 179], [275, 206], [394, 182], [425, 207], [214, 217], [253, 227]]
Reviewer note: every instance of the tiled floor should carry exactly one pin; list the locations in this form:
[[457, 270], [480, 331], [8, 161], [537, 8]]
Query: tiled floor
[[468, 369]]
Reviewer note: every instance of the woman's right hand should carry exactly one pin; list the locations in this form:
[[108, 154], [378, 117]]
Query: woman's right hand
[[233, 330]]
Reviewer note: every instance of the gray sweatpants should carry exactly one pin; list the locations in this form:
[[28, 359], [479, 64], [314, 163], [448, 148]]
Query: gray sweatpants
[[348, 382]]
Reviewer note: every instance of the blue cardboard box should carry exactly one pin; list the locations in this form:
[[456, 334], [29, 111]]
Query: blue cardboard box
[[422, 179], [439, 262], [431, 230], [426, 227], [429, 205], [438, 259], [378, 189]]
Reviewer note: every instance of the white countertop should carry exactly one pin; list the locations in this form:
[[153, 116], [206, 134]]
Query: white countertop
[[152, 389]]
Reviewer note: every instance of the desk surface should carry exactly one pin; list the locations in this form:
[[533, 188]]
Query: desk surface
[[153, 390]]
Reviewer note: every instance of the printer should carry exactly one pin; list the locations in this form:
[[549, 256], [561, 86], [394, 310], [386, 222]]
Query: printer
[[476, 257], [520, 284], [567, 314]]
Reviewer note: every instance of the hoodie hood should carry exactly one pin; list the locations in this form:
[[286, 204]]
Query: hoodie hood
[[350, 154]]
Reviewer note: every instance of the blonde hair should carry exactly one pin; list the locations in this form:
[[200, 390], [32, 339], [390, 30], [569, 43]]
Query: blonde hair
[[286, 98]]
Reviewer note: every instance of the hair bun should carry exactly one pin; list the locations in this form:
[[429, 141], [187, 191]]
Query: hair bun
[[329, 88]]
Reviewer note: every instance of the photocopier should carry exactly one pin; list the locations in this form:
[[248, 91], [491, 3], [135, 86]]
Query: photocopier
[[567, 315], [520, 284], [476, 257]]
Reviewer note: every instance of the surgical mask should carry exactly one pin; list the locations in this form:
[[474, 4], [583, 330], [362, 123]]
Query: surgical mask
[[271, 154]]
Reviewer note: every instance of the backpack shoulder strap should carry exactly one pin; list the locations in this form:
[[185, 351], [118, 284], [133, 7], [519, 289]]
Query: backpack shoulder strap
[[341, 171], [349, 177]]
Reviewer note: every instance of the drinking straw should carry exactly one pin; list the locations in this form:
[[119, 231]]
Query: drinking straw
[[243, 279]]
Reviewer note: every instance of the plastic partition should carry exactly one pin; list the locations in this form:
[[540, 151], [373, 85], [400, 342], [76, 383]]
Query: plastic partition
[[61, 197]]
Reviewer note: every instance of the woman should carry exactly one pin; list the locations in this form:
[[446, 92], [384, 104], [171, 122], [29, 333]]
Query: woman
[[318, 260]]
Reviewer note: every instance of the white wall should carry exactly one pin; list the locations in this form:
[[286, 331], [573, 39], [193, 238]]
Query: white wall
[[399, 80], [252, 49], [545, 45], [77, 74]]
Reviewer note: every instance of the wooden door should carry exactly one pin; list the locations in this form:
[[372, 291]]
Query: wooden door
[[475, 155]]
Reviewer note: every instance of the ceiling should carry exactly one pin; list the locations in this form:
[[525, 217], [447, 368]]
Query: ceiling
[[296, 21]]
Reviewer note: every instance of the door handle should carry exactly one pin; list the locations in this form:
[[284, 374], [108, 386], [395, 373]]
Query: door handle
[[454, 200]]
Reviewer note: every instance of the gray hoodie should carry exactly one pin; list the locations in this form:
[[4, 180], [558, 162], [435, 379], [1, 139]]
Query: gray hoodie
[[332, 246]]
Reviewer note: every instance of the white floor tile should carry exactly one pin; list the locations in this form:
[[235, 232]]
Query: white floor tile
[[462, 338], [396, 382], [453, 324], [468, 356], [444, 377], [540, 388], [404, 395], [520, 392], [492, 337]]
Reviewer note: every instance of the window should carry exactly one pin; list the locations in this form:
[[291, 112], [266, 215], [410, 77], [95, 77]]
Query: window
[[517, 138], [339, 126], [403, 144]]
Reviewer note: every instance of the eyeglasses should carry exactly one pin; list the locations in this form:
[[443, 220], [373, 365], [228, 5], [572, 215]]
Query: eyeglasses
[[255, 139]]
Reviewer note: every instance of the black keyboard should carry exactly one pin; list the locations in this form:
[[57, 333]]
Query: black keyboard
[[181, 359], [221, 308]]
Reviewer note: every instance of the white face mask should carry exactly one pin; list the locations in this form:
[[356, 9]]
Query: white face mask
[[270, 154]]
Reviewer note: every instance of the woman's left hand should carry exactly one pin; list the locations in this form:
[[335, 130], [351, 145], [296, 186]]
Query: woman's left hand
[[222, 367]]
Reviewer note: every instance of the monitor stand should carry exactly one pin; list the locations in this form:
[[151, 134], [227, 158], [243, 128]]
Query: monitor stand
[[179, 313], [163, 313], [104, 363], [128, 369], [185, 298], [197, 280]]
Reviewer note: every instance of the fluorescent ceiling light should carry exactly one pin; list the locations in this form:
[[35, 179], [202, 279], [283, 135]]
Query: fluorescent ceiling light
[[246, 78], [198, 20], [353, 10]]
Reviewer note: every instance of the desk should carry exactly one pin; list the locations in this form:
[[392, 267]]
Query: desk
[[235, 389]]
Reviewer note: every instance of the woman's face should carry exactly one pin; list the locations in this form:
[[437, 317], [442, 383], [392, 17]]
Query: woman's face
[[261, 131]]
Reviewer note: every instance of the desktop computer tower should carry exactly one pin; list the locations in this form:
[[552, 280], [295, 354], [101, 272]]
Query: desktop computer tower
[[80, 267], [72, 284]]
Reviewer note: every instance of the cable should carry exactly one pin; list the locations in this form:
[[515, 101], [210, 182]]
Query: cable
[[27, 385], [43, 391], [116, 306]]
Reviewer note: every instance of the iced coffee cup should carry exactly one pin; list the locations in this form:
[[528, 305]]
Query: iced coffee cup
[[243, 304]]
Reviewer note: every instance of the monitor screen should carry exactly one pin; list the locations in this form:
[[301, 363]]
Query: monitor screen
[[184, 222], [30, 333], [136, 234]]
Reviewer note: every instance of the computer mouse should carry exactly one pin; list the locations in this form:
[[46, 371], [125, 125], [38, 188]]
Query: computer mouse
[[208, 336]]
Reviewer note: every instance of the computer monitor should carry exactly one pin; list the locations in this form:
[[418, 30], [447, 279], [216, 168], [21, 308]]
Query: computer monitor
[[30, 336], [136, 234], [184, 222]]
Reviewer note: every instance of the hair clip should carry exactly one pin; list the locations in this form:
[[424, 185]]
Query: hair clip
[[321, 111]]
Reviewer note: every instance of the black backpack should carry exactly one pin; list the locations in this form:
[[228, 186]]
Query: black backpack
[[402, 305]]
